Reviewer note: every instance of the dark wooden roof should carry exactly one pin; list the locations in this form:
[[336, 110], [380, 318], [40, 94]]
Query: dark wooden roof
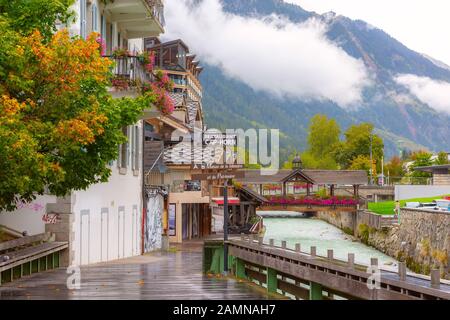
[[442, 169], [250, 195], [295, 174], [340, 177]]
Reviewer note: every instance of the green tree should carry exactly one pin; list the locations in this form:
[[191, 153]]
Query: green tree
[[323, 136], [311, 162], [357, 143], [420, 159], [362, 162], [442, 158], [26, 16], [59, 127], [394, 167]]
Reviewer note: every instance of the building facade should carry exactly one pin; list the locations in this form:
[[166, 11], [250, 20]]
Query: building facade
[[187, 212], [107, 220]]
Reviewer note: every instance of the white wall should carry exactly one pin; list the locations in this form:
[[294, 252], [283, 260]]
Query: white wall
[[403, 192], [109, 215], [28, 217]]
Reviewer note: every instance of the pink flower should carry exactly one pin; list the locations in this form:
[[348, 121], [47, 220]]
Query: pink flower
[[102, 44]]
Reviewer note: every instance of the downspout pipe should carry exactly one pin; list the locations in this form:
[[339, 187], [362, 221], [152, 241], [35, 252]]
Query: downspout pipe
[[144, 192]]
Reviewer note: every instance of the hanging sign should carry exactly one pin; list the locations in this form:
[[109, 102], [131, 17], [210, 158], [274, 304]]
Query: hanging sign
[[218, 175]]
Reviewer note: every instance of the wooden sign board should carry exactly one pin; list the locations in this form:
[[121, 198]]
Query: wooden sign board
[[218, 166], [218, 175]]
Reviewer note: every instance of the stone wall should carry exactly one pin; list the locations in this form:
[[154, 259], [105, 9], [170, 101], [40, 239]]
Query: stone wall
[[62, 228], [422, 240], [341, 219]]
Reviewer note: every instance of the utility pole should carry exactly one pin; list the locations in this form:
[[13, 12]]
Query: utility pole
[[225, 227], [371, 160]]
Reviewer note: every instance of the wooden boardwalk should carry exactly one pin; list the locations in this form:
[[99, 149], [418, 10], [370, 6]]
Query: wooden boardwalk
[[154, 276]]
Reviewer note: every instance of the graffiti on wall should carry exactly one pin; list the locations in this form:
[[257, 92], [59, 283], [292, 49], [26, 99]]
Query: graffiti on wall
[[153, 223], [51, 218], [31, 206]]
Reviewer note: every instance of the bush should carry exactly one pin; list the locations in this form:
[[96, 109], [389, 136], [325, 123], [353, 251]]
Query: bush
[[364, 232], [347, 230]]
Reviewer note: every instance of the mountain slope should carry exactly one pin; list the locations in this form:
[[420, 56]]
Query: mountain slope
[[230, 103]]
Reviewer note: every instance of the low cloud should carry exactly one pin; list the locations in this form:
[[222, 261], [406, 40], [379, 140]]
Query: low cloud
[[432, 92], [270, 54]]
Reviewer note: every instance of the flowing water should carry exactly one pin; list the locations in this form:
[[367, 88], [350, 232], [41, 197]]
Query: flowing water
[[313, 232]]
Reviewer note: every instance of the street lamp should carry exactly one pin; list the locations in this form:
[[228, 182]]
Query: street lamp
[[371, 160]]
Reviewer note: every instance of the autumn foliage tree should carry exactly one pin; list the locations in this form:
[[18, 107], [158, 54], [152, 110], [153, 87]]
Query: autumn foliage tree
[[59, 127]]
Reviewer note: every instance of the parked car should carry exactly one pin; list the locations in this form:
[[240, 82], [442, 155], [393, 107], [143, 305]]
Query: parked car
[[412, 204], [442, 204], [426, 205]]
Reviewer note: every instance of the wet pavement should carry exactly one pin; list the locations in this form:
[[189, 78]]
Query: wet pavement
[[173, 275]]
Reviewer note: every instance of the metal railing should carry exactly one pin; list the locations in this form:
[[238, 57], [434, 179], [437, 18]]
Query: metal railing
[[157, 8], [409, 181]]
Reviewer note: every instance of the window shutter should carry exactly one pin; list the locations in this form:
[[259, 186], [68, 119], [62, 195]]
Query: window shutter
[[119, 158], [127, 145], [137, 159], [133, 148], [94, 18], [83, 19]]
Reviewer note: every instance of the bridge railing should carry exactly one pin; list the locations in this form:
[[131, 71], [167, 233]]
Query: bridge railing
[[306, 275], [374, 220], [313, 201]]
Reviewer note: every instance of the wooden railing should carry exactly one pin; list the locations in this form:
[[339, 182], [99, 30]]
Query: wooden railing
[[306, 275], [24, 256], [374, 220]]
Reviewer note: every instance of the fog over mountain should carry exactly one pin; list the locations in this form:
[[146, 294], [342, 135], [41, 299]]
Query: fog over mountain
[[272, 64]]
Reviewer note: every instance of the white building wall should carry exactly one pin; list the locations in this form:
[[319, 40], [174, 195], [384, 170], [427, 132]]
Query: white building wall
[[403, 192], [28, 217], [109, 216]]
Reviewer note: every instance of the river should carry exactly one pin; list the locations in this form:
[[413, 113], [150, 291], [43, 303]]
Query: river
[[314, 232]]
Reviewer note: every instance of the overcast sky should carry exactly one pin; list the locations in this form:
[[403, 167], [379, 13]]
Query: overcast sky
[[321, 70], [422, 25]]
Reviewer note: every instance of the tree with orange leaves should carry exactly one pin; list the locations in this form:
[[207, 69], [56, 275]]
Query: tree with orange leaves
[[59, 127]]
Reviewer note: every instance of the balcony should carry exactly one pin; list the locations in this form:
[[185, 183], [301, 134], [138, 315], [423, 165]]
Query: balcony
[[129, 75], [140, 18], [157, 8], [180, 82]]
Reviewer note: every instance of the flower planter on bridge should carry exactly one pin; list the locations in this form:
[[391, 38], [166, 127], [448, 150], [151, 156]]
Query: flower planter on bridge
[[333, 201]]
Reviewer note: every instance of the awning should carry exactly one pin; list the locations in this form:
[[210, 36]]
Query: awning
[[231, 200]]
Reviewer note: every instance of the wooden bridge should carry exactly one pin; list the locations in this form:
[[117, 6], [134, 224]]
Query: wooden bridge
[[307, 208], [301, 275]]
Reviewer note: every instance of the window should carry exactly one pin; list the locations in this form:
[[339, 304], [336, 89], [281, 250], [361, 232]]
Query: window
[[94, 18], [103, 26], [124, 151], [136, 148], [110, 38], [83, 19]]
